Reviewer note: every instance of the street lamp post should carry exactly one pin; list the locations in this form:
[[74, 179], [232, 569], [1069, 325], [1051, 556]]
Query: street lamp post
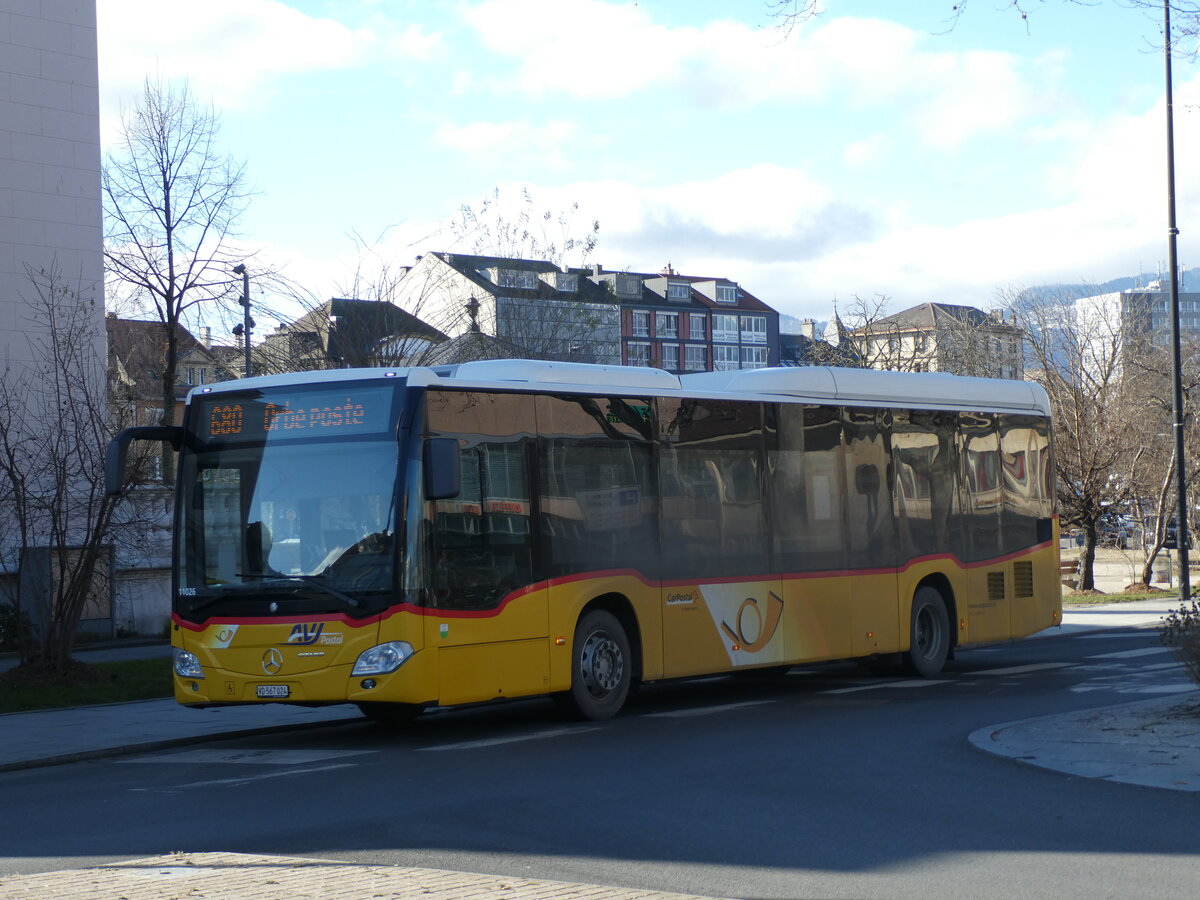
[[1181, 513], [247, 322]]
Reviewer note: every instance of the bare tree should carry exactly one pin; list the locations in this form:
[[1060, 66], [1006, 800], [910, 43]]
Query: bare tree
[[54, 512], [171, 205], [529, 233], [1077, 355]]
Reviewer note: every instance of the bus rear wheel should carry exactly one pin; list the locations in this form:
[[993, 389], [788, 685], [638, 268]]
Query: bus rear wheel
[[601, 667], [391, 714], [929, 633]]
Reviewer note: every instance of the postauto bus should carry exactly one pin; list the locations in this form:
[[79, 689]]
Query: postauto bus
[[405, 538]]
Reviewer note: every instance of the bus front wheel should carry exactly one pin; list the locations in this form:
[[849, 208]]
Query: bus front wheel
[[601, 667], [929, 634]]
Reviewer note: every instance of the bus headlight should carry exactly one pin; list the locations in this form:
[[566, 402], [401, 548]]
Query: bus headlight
[[383, 659], [187, 665]]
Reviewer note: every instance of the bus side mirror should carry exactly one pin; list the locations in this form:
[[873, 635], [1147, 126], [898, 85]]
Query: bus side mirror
[[118, 449], [443, 479]]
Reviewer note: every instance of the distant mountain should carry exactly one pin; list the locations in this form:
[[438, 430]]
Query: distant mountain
[[1188, 281], [793, 325]]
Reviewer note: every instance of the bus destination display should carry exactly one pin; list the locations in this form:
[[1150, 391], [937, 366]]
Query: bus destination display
[[295, 415]]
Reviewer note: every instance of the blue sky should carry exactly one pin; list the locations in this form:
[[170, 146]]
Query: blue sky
[[874, 150]]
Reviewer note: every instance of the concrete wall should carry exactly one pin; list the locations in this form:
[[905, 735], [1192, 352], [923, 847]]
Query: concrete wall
[[49, 159]]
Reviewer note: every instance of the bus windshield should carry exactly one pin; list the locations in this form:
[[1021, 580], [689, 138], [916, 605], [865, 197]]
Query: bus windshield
[[302, 515]]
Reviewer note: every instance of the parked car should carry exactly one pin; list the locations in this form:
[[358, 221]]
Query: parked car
[[1114, 530]]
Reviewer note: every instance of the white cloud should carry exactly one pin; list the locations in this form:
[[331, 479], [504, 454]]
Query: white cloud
[[234, 52], [223, 46], [599, 50]]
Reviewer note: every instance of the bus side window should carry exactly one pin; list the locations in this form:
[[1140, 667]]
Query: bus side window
[[598, 497], [712, 468], [481, 540]]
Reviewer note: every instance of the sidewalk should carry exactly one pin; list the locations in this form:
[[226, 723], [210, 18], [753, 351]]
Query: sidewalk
[[243, 876], [1154, 743]]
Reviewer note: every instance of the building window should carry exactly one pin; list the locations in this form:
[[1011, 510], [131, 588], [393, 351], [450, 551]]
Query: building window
[[726, 359], [725, 328], [679, 290], [919, 343], [516, 278], [754, 357], [698, 327], [726, 293], [670, 357], [666, 325], [696, 358], [641, 323], [754, 329], [637, 353]]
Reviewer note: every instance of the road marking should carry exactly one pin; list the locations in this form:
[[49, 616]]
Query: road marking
[[513, 739], [1130, 654], [1021, 670], [705, 710], [910, 683], [286, 773], [1109, 635], [1125, 689], [207, 756]]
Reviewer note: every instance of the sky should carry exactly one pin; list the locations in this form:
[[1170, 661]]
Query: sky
[[881, 149]]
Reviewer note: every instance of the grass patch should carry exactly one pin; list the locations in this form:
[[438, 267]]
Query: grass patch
[[1071, 599], [85, 685]]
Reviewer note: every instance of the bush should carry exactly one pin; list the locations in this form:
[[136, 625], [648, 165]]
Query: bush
[[14, 628], [1181, 632]]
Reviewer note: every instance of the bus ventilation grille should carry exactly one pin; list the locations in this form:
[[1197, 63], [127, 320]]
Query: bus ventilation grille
[[995, 587], [1023, 579]]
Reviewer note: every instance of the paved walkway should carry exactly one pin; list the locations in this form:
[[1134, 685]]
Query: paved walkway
[[242, 876], [1154, 743]]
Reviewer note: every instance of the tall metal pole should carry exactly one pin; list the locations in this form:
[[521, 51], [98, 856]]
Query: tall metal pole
[[1181, 511], [247, 322]]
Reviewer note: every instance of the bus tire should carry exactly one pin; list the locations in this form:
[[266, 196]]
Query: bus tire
[[391, 714], [929, 633], [601, 667]]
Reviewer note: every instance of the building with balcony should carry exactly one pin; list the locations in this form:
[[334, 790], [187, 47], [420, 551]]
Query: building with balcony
[[942, 337], [689, 323]]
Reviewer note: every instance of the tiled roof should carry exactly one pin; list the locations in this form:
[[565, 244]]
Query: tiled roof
[[140, 346]]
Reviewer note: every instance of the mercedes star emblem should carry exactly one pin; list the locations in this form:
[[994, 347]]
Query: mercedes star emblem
[[272, 661]]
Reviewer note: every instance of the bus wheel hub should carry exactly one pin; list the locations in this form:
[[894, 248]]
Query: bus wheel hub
[[603, 666]]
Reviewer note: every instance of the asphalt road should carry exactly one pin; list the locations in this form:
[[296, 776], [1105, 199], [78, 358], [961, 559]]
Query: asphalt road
[[829, 781]]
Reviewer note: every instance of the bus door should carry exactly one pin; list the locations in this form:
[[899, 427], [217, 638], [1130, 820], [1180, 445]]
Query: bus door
[[489, 621], [598, 517], [808, 528], [722, 605], [988, 575], [871, 550]]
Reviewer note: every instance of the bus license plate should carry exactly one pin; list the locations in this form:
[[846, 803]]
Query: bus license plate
[[272, 691]]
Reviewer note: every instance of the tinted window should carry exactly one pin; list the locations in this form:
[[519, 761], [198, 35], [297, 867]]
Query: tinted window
[[806, 488], [711, 483], [1024, 447], [982, 487], [598, 497], [926, 489], [870, 532], [481, 541]]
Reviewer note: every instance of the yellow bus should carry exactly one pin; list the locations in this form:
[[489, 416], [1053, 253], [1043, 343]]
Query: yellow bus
[[400, 539]]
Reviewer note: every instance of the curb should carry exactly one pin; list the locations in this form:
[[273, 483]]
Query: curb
[[168, 743]]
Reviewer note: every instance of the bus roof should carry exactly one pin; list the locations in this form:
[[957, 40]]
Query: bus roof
[[815, 384]]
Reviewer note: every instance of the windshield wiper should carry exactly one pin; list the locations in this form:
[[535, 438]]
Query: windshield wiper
[[277, 581], [315, 582]]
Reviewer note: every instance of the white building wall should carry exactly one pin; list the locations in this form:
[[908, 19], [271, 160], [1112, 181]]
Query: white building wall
[[49, 160]]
